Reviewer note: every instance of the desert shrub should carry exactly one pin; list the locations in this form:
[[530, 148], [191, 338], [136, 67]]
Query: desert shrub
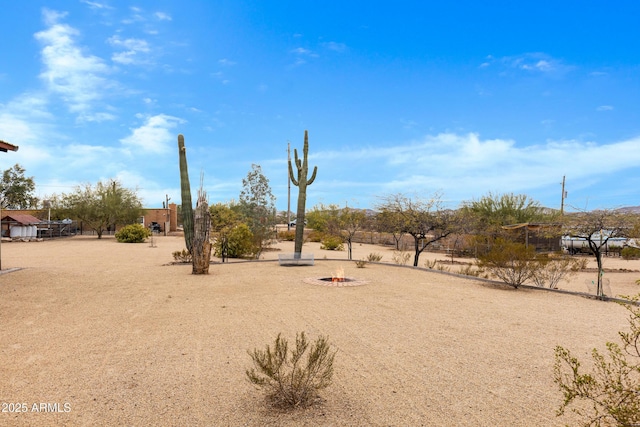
[[579, 264], [441, 267], [288, 236], [513, 263], [374, 257], [361, 263], [132, 233], [468, 270], [332, 243], [551, 271], [316, 236], [401, 257], [430, 264], [630, 253], [288, 377], [238, 243], [608, 395], [182, 256]]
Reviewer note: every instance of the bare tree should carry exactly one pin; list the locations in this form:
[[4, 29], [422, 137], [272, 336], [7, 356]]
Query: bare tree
[[351, 220], [597, 228], [423, 219]]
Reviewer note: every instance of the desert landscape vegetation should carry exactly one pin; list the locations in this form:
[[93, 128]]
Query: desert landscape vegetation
[[108, 333]]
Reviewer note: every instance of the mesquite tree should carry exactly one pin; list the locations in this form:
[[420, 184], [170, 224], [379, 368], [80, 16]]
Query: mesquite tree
[[596, 228], [301, 182]]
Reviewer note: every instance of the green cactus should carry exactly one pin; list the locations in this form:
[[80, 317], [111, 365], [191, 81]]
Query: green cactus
[[187, 207], [301, 182]]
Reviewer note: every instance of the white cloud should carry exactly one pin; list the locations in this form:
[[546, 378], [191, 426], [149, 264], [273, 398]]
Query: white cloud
[[605, 108], [226, 62], [153, 136], [79, 79], [133, 52], [337, 47], [467, 166], [163, 16]]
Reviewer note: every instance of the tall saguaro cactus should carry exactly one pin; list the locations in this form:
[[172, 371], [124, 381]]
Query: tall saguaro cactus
[[185, 187], [301, 182]]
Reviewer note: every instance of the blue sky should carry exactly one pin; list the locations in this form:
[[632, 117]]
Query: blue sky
[[416, 97]]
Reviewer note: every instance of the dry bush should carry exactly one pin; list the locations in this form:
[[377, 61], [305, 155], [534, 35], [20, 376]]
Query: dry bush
[[182, 256], [374, 257], [288, 236], [361, 263], [608, 395], [401, 257], [511, 262], [289, 378], [430, 264], [551, 271]]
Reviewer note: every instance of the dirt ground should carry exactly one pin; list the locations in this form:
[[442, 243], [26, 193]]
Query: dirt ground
[[95, 332]]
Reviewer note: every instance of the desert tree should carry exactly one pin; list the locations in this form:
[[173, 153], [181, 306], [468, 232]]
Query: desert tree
[[596, 228], [390, 222], [493, 211], [16, 190], [324, 219], [423, 219], [257, 205], [107, 204], [351, 221]]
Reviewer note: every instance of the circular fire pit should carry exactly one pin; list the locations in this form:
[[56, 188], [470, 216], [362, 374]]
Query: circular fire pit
[[334, 281]]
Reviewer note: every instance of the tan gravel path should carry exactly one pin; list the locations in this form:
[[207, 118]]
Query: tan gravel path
[[113, 335]]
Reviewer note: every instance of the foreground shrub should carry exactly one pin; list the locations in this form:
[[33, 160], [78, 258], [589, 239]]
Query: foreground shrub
[[361, 263], [332, 243], [607, 396], [132, 233], [289, 378], [182, 256], [511, 262]]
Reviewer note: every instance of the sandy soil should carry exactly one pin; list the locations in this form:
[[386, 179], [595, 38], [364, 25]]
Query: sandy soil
[[110, 334]]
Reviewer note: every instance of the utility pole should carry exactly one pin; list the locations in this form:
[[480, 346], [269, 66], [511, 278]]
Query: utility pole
[[564, 195], [167, 222], [288, 187]]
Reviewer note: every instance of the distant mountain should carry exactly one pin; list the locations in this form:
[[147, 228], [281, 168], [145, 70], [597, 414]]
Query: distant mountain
[[629, 209]]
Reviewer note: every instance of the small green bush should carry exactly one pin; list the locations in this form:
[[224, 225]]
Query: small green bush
[[182, 256], [132, 233], [332, 243], [630, 253], [288, 236], [316, 236], [374, 257], [237, 243], [288, 381]]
